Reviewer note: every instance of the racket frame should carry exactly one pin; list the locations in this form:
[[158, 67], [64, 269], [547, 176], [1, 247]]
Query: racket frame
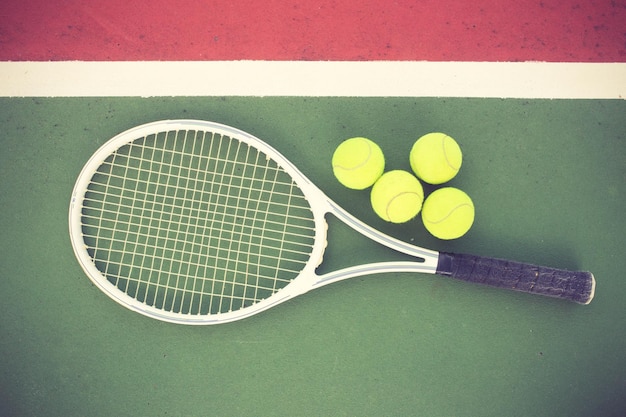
[[306, 280]]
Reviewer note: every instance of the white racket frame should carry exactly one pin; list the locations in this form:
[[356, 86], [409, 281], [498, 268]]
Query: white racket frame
[[307, 280]]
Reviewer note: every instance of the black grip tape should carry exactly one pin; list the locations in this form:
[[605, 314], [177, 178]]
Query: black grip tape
[[577, 286]]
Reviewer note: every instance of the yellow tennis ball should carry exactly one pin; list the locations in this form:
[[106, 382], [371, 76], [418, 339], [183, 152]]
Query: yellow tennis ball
[[397, 196], [436, 158], [448, 213], [358, 163]]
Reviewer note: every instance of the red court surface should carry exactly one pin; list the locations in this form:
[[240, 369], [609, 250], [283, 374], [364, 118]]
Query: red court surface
[[431, 30]]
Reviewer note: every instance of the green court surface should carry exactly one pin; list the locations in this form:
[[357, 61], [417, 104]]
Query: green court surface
[[548, 179]]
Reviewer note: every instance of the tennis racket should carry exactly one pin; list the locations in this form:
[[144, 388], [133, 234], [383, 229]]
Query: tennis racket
[[195, 222]]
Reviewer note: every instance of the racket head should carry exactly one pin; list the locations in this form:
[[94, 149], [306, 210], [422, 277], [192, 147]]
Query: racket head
[[196, 222]]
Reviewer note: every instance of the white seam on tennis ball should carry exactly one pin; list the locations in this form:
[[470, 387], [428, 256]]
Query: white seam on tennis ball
[[362, 164], [445, 154], [397, 196], [449, 213]]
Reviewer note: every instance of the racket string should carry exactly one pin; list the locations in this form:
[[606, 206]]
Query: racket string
[[196, 223]]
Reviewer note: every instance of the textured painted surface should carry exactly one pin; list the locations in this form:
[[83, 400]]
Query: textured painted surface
[[433, 30], [546, 176]]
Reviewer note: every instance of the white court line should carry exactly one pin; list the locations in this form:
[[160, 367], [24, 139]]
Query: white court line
[[314, 78]]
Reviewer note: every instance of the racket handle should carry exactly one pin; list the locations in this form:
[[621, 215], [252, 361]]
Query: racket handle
[[577, 286]]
